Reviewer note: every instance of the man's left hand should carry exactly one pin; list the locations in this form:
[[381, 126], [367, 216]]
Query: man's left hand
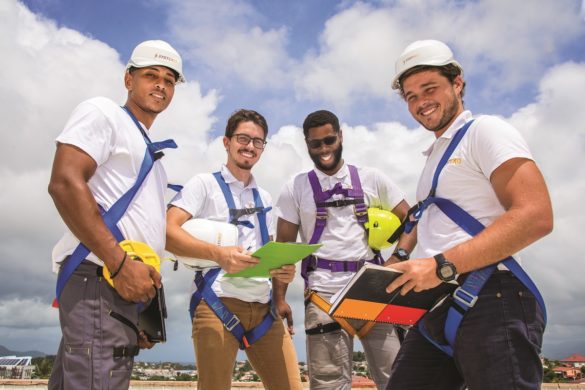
[[285, 274], [143, 341]]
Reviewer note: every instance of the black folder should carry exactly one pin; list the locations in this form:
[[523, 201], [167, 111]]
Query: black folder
[[152, 319]]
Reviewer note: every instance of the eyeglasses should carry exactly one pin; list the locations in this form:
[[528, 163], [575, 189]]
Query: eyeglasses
[[316, 143], [244, 139]]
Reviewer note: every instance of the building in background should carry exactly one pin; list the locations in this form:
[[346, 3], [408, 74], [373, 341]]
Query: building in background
[[13, 367], [575, 360]]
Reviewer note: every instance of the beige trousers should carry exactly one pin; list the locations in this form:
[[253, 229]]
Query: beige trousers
[[273, 356]]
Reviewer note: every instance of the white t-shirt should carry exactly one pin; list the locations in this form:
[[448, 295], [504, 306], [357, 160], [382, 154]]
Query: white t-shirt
[[202, 198], [104, 131], [343, 238], [465, 179]]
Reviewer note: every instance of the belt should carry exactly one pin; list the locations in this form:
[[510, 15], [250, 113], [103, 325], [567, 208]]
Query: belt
[[327, 328]]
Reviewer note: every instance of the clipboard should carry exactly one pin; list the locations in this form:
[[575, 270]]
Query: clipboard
[[152, 319], [275, 255]]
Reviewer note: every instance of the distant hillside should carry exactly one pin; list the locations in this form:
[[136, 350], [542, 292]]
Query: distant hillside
[[7, 352]]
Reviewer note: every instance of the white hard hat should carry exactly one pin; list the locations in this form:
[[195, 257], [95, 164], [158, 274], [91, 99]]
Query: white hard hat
[[425, 52], [150, 53], [213, 232]]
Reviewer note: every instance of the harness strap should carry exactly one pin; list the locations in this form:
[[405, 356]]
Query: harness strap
[[236, 213], [466, 295], [204, 282], [352, 196], [342, 322], [230, 321], [124, 321], [126, 351], [314, 262], [115, 213]]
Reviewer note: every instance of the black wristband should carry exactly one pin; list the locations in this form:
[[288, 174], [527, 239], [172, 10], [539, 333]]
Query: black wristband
[[114, 274]]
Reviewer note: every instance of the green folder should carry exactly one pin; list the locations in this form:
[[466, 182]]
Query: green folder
[[275, 255]]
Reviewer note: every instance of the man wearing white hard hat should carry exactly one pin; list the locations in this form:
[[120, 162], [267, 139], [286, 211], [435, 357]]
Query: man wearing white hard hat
[[106, 173], [481, 199], [328, 205], [233, 312]]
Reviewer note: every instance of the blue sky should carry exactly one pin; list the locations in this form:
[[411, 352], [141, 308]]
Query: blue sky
[[524, 61]]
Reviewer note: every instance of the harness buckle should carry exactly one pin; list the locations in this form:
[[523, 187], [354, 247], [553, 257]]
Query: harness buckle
[[321, 214], [232, 323], [466, 298]]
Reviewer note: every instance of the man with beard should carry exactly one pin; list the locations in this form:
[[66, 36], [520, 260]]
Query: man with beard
[[338, 194], [479, 173], [234, 312], [104, 156]]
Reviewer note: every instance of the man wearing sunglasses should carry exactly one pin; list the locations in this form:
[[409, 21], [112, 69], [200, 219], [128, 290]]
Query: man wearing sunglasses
[[339, 194], [237, 306]]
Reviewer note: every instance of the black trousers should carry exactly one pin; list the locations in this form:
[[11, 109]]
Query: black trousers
[[497, 345]]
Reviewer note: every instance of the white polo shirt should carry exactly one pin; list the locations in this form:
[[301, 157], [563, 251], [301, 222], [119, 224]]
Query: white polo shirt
[[343, 238], [103, 130], [465, 179], [202, 198]]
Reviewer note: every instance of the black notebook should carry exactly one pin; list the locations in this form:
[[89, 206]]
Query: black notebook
[[152, 319], [365, 298]]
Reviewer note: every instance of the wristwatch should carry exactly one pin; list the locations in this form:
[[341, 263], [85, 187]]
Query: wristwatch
[[446, 270], [401, 254]]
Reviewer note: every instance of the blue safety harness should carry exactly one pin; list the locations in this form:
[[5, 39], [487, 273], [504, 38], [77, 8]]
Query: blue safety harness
[[114, 214], [205, 282], [466, 295]]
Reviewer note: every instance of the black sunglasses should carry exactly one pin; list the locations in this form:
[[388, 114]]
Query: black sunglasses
[[316, 143], [244, 139]]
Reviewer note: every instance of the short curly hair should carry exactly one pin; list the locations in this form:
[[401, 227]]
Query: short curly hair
[[320, 118]]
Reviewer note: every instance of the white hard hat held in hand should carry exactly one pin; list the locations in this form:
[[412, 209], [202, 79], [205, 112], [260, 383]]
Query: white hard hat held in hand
[[156, 52], [426, 52]]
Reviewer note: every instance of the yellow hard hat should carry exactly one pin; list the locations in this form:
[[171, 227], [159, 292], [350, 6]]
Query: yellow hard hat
[[381, 225], [136, 250]]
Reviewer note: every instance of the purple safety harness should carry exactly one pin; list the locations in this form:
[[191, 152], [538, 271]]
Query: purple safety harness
[[351, 196]]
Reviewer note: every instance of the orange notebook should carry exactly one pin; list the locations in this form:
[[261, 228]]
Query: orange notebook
[[365, 298]]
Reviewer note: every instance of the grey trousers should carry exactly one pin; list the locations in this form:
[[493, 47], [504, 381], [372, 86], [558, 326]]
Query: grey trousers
[[330, 355], [85, 358]]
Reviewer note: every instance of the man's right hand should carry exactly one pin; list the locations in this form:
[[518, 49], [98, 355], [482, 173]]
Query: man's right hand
[[285, 312], [136, 281], [235, 259]]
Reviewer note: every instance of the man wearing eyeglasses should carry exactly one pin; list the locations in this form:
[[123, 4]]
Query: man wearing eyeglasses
[[337, 193], [206, 196]]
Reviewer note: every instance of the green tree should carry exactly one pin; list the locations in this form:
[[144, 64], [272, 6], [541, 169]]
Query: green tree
[[43, 366], [359, 356]]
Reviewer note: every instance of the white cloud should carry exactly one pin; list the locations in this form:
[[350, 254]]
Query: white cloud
[[47, 66], [222, 36], [27, 314], [511, 42], [553, 126], [355, 57]]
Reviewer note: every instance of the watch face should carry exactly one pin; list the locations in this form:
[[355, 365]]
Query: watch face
[[447, 272], [402, 254]]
